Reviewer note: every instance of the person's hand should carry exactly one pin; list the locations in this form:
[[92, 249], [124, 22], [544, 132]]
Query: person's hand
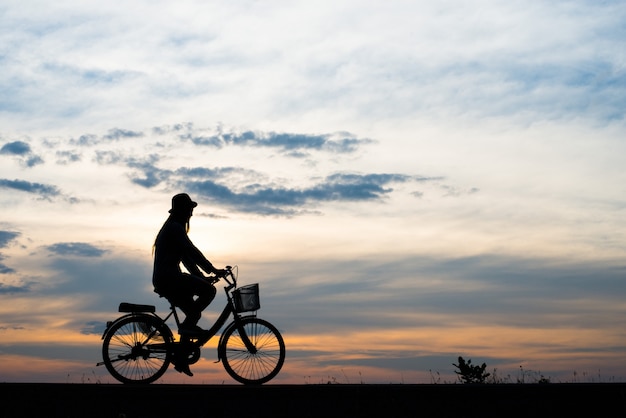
[[220, 272]]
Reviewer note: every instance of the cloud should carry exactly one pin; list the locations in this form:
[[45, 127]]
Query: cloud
[[10, 327], [103, 281], [430, 292], [67, 157], [292, 144], [85, 140], [248, 190], [5, 239], [145, 174], [241, 189], [116, 134], [151, 176], [485, 58], [93, 328], [4, 269], [343, 142], [109, 157], [10, 289], [279, 200], [15, 148], [45, 191], [23, 151], [113, 135], [80, 249], [452, 191]]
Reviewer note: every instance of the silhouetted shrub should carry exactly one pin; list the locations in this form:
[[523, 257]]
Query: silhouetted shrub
[[469, 373]]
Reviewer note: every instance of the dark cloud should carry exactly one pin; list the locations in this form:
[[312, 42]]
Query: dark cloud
[[67, 157], [109, 157], [291, 142], [87, 139], [114, 134], [145, 172], [248, 191], [44, 191], [33, 161], [80, 249], [93, 328], [15, 148], [215, 173], [149, 175], [176, 128], [276, 200], [5, 239], [4, 269], [10, 289], [23, 151]]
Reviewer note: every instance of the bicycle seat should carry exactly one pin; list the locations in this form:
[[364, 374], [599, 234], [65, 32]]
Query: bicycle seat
[[133, 307]]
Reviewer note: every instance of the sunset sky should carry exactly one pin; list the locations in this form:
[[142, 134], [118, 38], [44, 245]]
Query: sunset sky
[[408, 181]]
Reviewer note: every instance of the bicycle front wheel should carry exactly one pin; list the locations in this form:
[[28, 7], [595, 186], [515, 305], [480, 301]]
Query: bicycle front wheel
[[137, 349], [259, 366]]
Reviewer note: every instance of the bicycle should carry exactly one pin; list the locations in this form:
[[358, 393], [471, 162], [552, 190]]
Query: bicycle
[[139, 346]]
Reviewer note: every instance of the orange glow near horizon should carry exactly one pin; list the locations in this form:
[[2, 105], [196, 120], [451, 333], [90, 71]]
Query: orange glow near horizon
[[560, 353]]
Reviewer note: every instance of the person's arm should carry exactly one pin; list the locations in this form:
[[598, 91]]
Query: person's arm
[[193, 258]]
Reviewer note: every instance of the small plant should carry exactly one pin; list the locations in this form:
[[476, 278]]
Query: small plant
[[530, 376], [434, 379], [543, 380], [469, 373]]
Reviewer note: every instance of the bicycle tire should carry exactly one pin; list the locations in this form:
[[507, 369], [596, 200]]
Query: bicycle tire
[[252, 368], [137, 349]]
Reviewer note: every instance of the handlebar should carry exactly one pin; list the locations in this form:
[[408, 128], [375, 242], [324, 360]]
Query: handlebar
[[229, 277]]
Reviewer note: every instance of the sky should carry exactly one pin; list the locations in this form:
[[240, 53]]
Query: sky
[[407, 181]]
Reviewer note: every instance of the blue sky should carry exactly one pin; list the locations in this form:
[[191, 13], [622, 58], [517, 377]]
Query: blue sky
[[408, 181]]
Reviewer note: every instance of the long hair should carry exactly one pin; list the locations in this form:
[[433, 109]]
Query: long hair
[[173, 217]]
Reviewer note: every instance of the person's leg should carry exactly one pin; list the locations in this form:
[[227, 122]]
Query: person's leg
[[194, 286], [182, 296], [187, 305]]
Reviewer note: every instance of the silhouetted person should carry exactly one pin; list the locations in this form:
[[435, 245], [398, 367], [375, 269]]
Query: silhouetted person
[[191, 292]]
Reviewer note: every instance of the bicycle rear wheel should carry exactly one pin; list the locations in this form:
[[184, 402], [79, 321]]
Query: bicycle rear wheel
[[137, 349], [247, 367]]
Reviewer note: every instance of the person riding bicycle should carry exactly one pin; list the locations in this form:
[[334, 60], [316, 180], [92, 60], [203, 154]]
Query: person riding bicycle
[[171, 248]]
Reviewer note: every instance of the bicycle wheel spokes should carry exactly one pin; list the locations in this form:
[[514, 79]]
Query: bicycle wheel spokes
[[260, 366], [136, 350]]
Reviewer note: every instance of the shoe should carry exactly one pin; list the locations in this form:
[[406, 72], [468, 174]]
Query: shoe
[[183, 368]]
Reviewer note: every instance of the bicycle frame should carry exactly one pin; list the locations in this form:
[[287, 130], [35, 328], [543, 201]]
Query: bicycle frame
[[219, 323], [228, 310]]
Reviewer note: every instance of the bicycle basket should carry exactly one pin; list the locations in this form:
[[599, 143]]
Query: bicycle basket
[[247, 298]]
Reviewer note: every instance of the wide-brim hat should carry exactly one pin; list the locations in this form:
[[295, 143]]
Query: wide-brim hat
[[182, 202]]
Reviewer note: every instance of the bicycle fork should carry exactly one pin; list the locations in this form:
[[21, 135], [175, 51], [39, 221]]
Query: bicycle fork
[[246, 340]]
